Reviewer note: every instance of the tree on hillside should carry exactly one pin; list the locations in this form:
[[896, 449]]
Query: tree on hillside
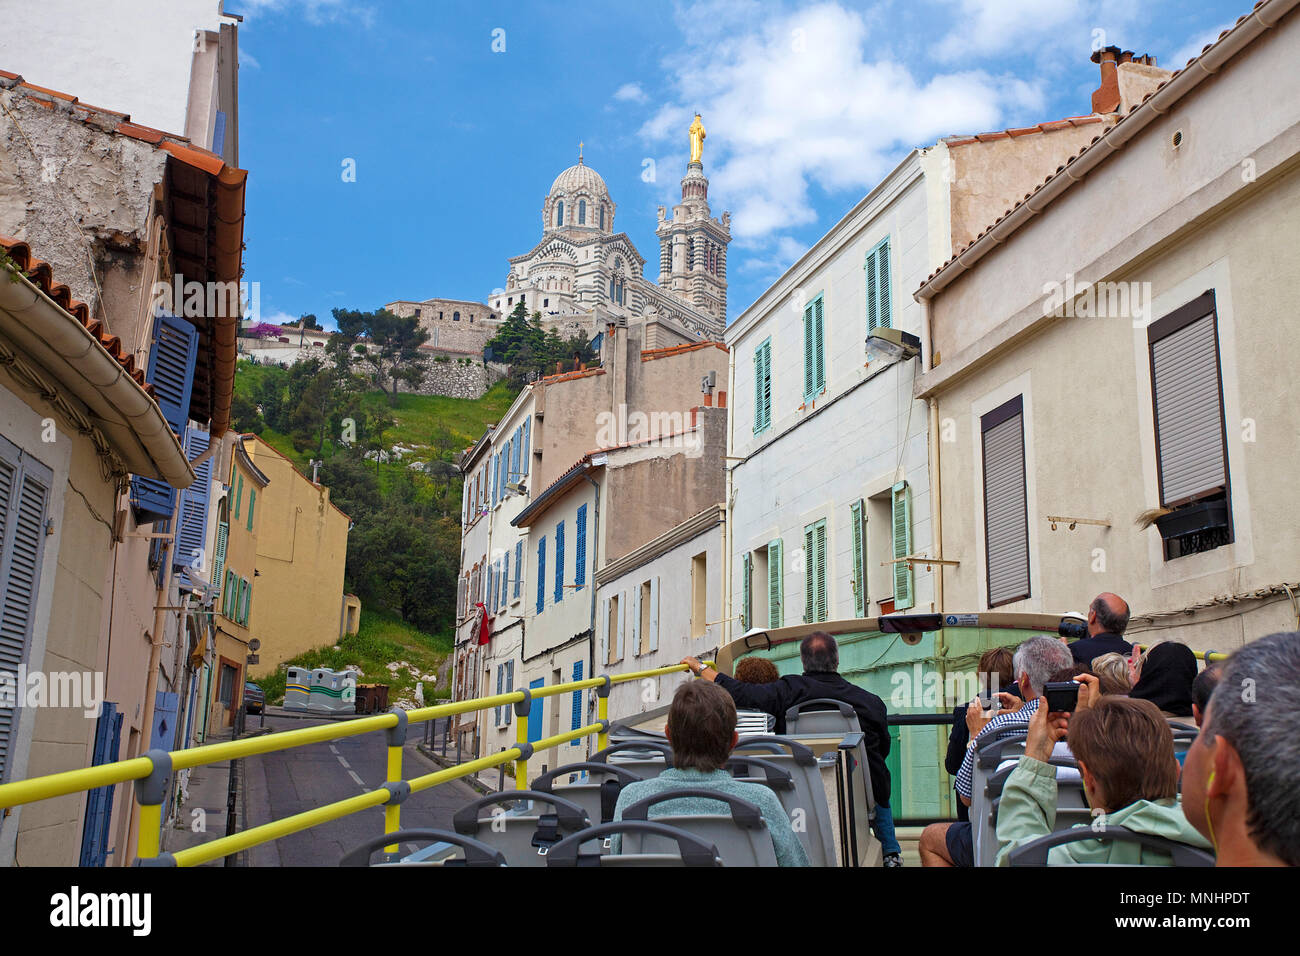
[[388, 344], [530, 351]]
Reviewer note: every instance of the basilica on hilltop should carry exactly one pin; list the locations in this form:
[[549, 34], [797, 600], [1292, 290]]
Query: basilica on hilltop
[[583, 274]]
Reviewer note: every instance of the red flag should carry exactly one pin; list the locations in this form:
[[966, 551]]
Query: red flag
[[484, 625]]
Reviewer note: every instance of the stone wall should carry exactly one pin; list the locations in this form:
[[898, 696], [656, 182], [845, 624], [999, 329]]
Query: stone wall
[[456, 379], [456, 327]]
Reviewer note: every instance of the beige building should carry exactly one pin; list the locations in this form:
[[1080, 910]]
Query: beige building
[[456, 327], [1114, 351], [302, 544]]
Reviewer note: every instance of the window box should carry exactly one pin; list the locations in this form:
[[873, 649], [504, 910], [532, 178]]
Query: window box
[[1195, 518]]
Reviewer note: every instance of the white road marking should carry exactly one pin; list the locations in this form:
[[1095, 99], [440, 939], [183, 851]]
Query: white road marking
[[360, 783], [334, 750], [346, 765]]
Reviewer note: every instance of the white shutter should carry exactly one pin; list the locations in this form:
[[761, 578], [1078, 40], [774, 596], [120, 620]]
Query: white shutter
[[1006, 527], [635, 620], [654, 613], [618, 622], [1189, 412], [604, 632]]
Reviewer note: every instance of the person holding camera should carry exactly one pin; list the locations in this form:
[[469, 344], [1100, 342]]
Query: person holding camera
[[1125, 754], [1107, 618]]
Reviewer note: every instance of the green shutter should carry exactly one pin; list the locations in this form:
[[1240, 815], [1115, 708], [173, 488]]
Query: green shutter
[[902, 515], [810, 575], [252, 500], [239, 494], [809, 376], [763, 386], [219, 557], [883, 299], [820, 339], [820, 602], [775, 584], [248, 602], [859, 563], [745, 592], [873, 285], [767, 383]]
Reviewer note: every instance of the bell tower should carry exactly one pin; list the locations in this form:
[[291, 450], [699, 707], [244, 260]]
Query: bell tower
[[692, 244]]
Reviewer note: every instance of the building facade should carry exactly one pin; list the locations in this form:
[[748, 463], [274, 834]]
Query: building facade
[[1161, 317]]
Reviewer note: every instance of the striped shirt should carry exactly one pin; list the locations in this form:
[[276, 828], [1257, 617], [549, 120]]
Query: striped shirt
[[965, 776]]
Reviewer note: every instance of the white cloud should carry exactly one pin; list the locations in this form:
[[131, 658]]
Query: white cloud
[[247, 59], [987, 27], [630, 92], [810, 100]]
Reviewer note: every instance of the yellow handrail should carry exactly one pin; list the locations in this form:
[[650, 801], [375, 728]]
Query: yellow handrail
[[151, 774]]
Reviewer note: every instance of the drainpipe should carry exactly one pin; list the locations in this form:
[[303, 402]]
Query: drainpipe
[[727, 505], [595, 563], [936, 509]]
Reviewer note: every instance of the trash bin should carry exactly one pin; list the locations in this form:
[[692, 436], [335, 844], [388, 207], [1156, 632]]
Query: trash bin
[[372, 698], [297, 688], [332, 691]]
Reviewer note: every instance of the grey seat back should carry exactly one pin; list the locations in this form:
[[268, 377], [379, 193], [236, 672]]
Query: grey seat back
[[1006, 743], [1071, 807], [472, 852], [739, 831], [804, 800], [597, 794], [525, 834], [647, 757], [1035, 852], [821, 716], [685, 849]]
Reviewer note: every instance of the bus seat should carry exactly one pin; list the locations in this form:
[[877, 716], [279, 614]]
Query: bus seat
[[523, 837], [1035, 852], [598, 798], [802, 794], [740, 834], [686, 849], [473, 852]]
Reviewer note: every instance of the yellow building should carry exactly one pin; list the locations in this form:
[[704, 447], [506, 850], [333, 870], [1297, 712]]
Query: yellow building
[[301, 541], [234, 570]]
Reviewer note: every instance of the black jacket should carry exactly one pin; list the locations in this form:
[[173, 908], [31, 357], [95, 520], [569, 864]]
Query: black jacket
[[1086, 649], [780, 695], [957, 741]]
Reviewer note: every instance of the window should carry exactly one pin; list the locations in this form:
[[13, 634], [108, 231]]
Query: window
[[879, 300], [612, 631], [519, 569], [559, 213], [699, 595], [858, 532], [901, 506], [541, 575], [580, 549], [1191, 443], [25, 486], [577, 702], [763, 386], [1006, 518], [814, 542], [602, 217], [775, 584], [455, 316], [559, 562], [505, 580], [505, 684], [582, 212], [814, 366]]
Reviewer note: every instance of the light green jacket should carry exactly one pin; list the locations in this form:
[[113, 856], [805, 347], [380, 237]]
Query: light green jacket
[[1028, 811]]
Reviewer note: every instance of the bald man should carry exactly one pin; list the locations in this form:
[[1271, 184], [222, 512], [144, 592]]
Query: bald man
[[1107, 618]]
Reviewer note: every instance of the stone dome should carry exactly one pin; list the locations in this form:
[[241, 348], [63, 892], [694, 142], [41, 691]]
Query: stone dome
[[580, 178]]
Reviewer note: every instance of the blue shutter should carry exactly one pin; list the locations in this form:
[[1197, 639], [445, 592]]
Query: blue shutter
[[577, 702], [99, 802], [153, 499], [536, 712], [559, 562], [505, 578], [541, 575], [192, 534], [580, 550], [489, 594], [514, 454], [528, 434], [519, 567], [171, 367]]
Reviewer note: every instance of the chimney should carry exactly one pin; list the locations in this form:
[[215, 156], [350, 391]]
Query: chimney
[[1106, 98]]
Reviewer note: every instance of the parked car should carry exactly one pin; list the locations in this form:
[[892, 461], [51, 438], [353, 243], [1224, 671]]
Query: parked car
[[254, 699]]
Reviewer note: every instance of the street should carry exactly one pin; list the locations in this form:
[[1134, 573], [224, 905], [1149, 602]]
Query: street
[[281, 784]]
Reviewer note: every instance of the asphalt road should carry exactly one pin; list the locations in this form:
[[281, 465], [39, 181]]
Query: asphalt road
[[282, 784]]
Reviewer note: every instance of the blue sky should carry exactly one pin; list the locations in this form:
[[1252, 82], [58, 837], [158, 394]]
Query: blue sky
[[455, 144]]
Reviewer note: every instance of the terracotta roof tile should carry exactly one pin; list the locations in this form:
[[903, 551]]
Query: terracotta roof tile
[[569, 376], [1068, 123], [41, 274], [649, 355]]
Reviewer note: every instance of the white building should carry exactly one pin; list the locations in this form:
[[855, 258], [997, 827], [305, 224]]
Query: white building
[[830, 480]]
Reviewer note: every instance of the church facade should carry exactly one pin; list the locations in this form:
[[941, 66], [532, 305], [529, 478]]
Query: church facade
[[583, 275]]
